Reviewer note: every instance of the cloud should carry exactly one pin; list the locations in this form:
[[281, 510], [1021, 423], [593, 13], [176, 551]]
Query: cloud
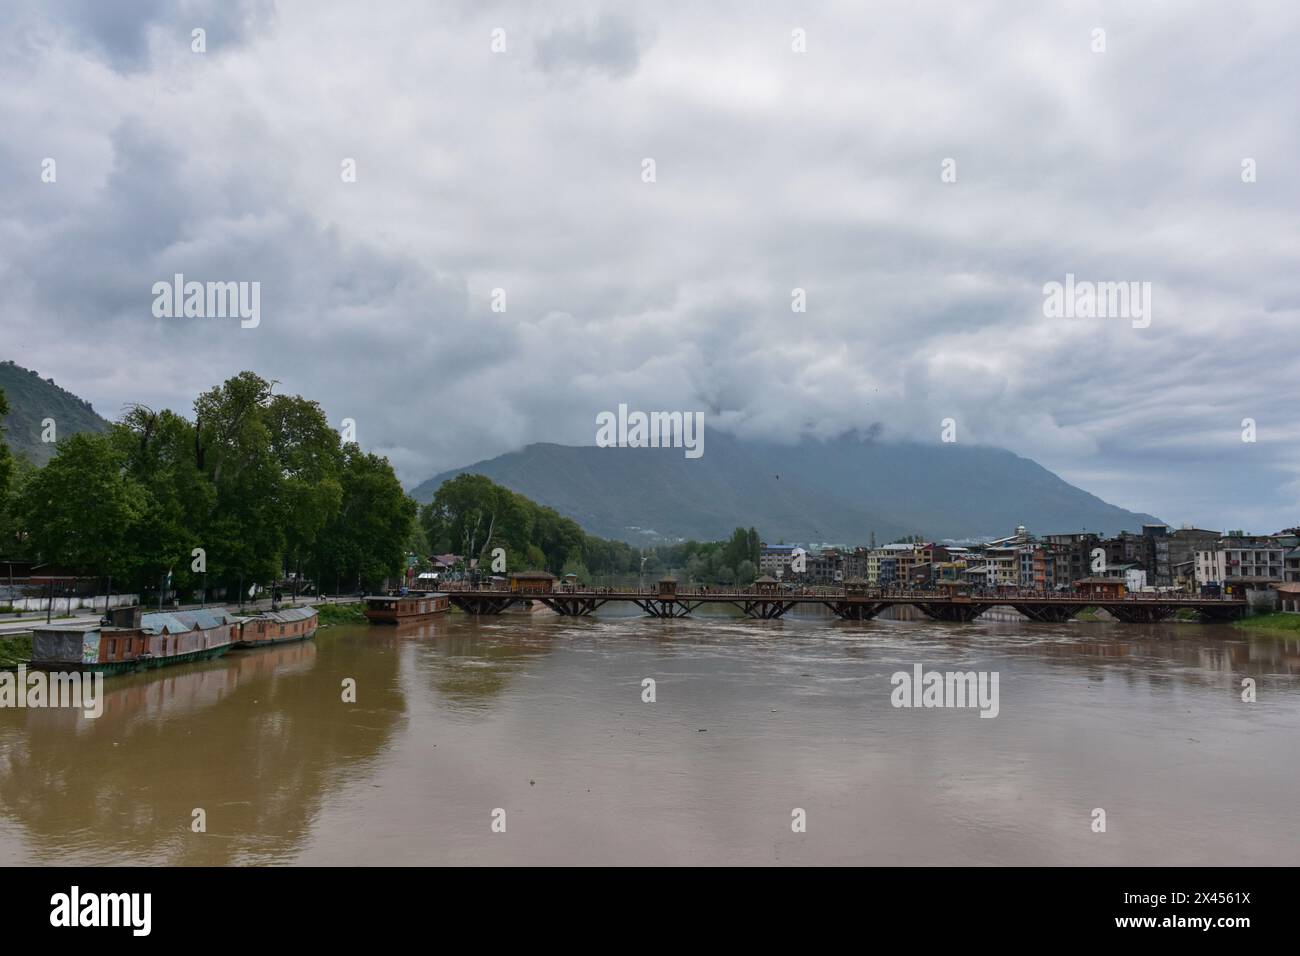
[[776, 170], [609, 43]]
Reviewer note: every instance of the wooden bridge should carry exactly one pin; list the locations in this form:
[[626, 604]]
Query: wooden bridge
[[851, 602]]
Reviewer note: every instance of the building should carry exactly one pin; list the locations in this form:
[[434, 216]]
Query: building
[[875, 563], [1183, 546], [774, 559], [825, 567], [855, 565], [1111, 587], [1072, 554], [1250, 562]]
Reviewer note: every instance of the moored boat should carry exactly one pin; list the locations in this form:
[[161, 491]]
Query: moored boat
[[396, 609], [278, 627], [131, 640]]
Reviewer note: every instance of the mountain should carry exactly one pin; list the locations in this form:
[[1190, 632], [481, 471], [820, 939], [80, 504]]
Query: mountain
[[33, 399], [814, 492]]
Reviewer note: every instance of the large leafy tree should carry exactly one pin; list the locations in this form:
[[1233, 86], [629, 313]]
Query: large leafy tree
[[160, 454], [80, 508], [364, 542], [309, 458], [245, 539]]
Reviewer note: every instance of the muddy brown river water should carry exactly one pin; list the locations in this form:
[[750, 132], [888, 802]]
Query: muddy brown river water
[[543, 718]]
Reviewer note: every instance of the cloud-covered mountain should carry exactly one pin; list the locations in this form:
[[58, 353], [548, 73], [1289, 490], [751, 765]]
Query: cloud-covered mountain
[[838, 491]]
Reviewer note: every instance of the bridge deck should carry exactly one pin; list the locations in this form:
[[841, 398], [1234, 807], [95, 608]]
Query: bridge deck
[[849, 603]]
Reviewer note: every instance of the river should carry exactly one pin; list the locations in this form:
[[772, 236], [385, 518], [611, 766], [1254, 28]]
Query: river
[[542, 718]]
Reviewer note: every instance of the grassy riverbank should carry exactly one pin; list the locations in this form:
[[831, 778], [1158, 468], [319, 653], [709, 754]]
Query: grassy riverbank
[[15, 650], [1276, 622], [341, 613]]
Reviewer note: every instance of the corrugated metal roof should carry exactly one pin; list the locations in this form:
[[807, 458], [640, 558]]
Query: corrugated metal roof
[[289, 615], [179, 622]]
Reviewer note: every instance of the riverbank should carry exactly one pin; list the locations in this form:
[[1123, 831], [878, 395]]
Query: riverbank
[[340, 613], [1276, 622], [14, 650]]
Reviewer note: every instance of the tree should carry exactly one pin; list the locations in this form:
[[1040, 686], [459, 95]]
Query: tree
[[308, 455], [245, 539], [158, 451], [6, 478], [80, 509], [365, 541]]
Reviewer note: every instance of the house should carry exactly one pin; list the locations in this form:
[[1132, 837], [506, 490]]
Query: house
[[532, 582], [1100, 587], [1289, 597]]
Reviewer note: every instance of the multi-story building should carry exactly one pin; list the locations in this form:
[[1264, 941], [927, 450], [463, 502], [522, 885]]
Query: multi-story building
[[887, 572], [1159, 570], [889, 552], [825, 567], [1072, 555], [1252, 561], [1037, 567], [774, 559], [1242, 562], [855, 565], [1183, 547]]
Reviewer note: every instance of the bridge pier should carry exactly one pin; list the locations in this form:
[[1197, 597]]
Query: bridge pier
[[1048, 613], [1141, 613], [472, 603], [764, 610], [959, 612], [665, 608], [856, 610], [572, 606]]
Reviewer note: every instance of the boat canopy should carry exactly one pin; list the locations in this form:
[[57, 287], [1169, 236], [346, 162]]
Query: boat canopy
[[182, 622], [289, 615]]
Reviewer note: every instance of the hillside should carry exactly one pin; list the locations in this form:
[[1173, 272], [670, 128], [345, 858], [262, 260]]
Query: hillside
[[841, 491], [33, 399]]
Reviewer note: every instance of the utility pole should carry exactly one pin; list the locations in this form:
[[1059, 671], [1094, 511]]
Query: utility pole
[[49, 604]]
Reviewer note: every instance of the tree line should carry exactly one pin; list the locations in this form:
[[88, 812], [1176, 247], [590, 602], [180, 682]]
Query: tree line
[[472, 516], [258, 486]]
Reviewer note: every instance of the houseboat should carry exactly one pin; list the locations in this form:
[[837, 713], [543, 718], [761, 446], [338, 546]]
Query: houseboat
[[130, 640], [278, 627], [397, 609]]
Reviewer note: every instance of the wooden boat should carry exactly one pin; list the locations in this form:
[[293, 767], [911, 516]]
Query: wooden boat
[[399, 608], [278, 627], [131, 640]]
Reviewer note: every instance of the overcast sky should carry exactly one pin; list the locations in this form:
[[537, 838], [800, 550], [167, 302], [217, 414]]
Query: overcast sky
[[523, 170]]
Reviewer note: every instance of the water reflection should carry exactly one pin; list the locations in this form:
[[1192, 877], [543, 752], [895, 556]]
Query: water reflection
[[256, 739], [544, 716]]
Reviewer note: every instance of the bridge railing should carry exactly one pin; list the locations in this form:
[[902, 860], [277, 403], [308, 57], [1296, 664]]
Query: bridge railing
[[838, 593]]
